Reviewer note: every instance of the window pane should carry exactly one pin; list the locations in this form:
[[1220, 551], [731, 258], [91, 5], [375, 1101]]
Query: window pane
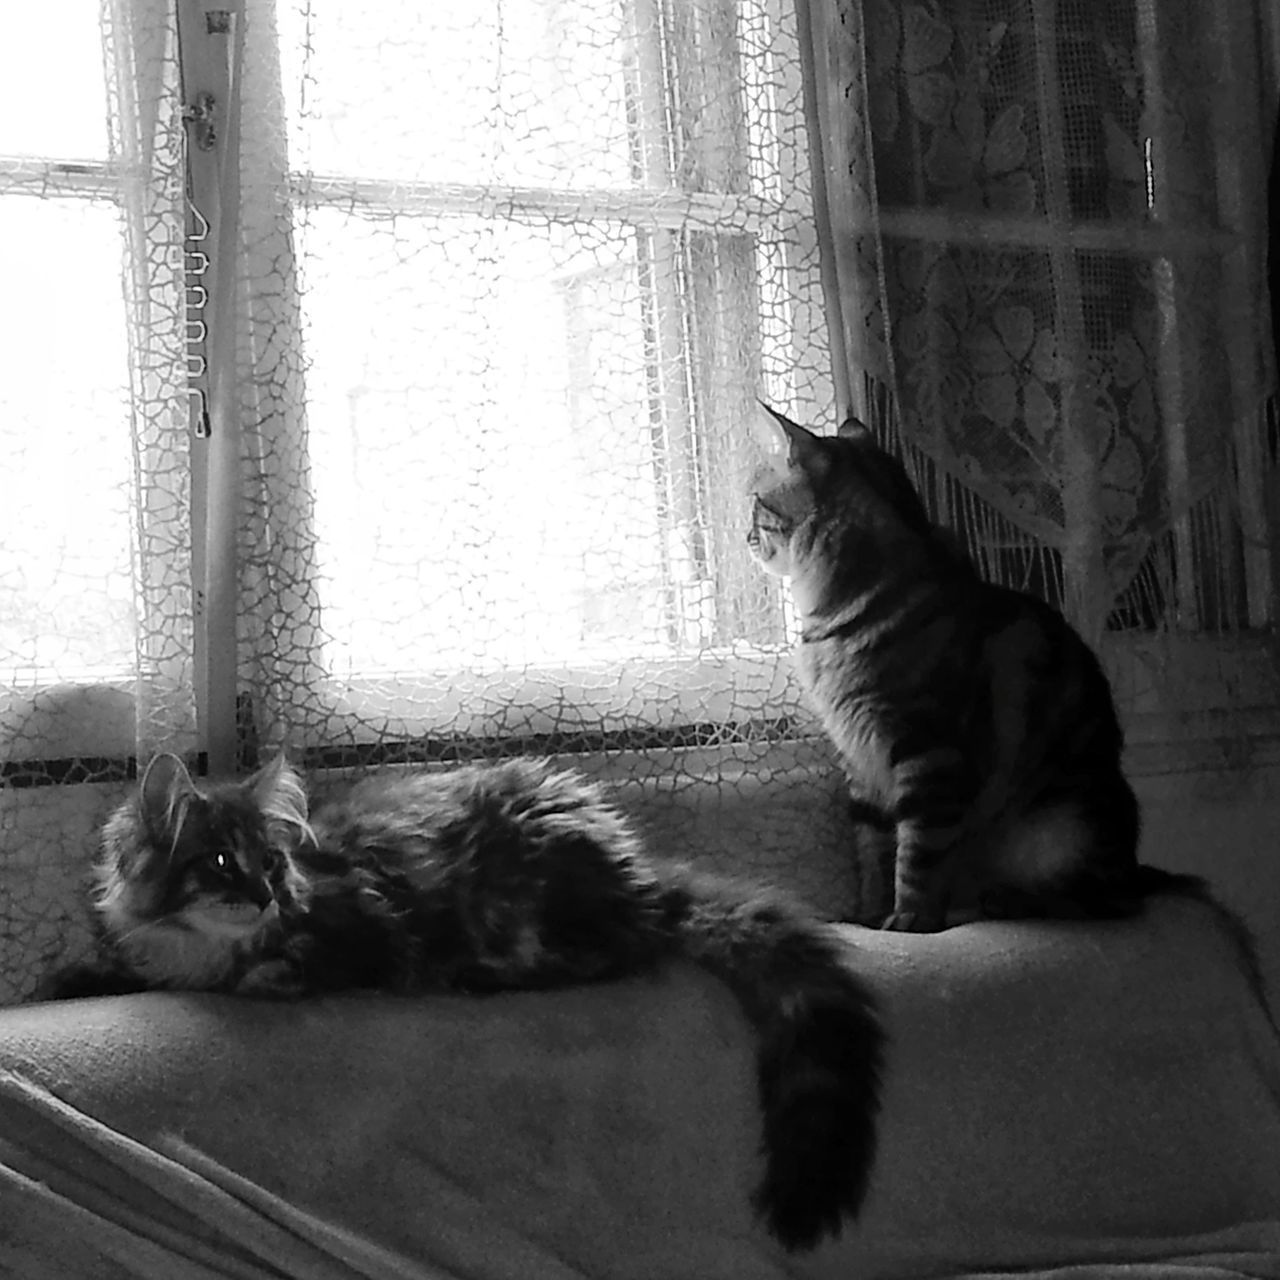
[[472, 91], [480, 438], [65, 596], [52, 99], [527, 382]]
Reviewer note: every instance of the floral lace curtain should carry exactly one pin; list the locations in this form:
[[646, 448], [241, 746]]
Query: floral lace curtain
[[1049, 232]]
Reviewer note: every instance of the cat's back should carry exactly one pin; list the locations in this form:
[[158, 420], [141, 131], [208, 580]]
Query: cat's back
[[475, 812], [1022, 633], [382, 805]]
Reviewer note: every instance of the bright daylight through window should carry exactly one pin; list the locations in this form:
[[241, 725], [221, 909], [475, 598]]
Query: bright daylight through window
[[66, 600], [548, 255]]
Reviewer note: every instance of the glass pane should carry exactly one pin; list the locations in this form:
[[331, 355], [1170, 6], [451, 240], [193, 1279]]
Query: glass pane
[[65, 596], [473, 91], [52, 96], [484, 470], [525, 401]]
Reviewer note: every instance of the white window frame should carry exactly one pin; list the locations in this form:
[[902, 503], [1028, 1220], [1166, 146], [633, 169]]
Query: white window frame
[[384, 707]]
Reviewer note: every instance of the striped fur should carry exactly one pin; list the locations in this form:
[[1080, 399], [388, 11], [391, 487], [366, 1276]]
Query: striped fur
[[510, 877], [976, 727]]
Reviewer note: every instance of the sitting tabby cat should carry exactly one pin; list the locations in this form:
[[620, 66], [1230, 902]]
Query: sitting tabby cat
[[976, 727], [508, 877]]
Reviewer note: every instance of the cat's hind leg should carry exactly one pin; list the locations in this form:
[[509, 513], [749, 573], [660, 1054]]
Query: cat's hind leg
[[1072, 857]]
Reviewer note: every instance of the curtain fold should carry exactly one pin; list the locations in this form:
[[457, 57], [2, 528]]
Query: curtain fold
[[98, 655], [1048, 226], [148, 157], [279, 608]]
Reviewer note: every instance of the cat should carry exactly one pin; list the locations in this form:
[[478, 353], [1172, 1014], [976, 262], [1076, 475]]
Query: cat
[[976, 727], [513, 876]]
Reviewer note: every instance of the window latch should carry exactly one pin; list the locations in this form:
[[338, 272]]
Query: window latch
[[201, 116]]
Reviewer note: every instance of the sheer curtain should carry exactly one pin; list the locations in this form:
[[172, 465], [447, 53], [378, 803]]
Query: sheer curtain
[[147, 155], [419, 429], [428, 412], [1049, 234], [515, 277], [548, 256], [96, 620]]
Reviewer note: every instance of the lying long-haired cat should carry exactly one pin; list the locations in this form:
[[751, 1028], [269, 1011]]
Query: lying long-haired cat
[[487, 878], [976, 727]]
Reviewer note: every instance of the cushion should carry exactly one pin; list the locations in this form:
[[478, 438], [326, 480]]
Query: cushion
[[1067, 1099]]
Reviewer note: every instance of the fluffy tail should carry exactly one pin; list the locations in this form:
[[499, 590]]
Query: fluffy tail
[[820, 1051], [1149, 880]]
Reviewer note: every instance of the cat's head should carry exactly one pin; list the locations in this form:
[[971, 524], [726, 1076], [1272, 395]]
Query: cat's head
[[186, 869], [811, 485]]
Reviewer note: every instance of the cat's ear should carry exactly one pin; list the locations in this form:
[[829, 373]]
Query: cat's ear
[[279, 792], [786, 441], [163, 795], [853, 428]]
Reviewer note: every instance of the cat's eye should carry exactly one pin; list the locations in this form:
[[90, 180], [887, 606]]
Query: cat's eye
[[222, 864]]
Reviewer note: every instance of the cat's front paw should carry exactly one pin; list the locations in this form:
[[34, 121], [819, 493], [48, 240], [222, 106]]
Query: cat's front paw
[[919, 921], [270, 980]]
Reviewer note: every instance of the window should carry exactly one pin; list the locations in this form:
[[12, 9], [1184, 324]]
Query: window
[[416, 430], [413, 427], [66, 602], [507, 282], [578, 239], [503, 286]]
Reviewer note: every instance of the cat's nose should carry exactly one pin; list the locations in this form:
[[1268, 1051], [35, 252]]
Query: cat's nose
[[259, 892]]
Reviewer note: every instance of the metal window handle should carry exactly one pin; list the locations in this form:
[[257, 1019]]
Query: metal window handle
[[202, 116]]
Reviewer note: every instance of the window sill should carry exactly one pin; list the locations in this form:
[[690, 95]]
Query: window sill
[[1189, 704]]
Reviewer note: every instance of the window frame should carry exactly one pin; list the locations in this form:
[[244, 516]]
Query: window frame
[[1193, 700], [682, 308]]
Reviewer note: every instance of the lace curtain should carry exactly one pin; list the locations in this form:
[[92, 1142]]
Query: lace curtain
[[1049, 227], [96, 597], [506, 505], [426, 414], [478, 300], [503, 510]]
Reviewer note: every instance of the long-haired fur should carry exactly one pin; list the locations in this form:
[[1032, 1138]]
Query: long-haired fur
[[515, 876]]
